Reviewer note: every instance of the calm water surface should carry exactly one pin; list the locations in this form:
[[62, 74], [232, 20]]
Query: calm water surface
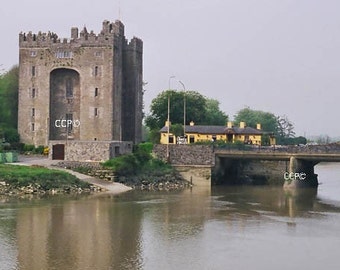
[[221, 228]]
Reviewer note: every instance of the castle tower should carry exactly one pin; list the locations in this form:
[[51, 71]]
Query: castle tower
[[87, 87]]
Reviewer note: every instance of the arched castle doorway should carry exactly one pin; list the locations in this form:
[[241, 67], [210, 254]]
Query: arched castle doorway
[[64, 104]]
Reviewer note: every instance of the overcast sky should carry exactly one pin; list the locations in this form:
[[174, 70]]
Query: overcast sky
[[281, 56]]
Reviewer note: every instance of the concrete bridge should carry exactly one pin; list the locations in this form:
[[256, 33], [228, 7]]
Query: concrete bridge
[[291, 166], [295, 169]]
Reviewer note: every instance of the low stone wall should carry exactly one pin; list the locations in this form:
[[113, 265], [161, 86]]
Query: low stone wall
[[92, 150], [186, 154], [94, 169]]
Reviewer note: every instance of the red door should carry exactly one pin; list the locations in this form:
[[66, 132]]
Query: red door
[[58, 151]]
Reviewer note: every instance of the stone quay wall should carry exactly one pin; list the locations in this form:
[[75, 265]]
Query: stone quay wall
[[186, 154]]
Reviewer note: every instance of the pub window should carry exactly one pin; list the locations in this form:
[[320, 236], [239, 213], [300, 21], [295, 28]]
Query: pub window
[[191, 139], [69, 87], [33, 71], [171, 139], [96, 92]]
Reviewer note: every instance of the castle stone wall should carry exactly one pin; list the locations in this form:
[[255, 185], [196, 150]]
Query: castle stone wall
[[96, 151]]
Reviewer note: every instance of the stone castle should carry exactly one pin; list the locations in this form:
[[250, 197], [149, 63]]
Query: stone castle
[[85, 88]]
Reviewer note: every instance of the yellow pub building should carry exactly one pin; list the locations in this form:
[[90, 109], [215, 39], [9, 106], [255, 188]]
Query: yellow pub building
[[200, 133]]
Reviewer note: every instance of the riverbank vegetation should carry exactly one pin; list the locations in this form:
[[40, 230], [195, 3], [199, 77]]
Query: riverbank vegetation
[[141, 170], [15, 179]]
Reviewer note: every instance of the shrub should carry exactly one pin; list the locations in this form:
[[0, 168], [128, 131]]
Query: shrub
[[11, 135], [29, 147], [39, 150]]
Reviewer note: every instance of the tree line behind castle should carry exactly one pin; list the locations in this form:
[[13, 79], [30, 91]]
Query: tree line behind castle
[[199, 109]]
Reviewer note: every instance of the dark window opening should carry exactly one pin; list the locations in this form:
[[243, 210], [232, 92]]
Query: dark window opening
[[171, 139], [33, 112], [95, 111], [95, 71], [96, 92], [32, 127], [33, 71], [33, 93], [191, 139], [69, 87], [117, 153]]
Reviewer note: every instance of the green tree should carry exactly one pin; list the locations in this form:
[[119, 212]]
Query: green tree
[[285, 127], [9, 82], [214, 116], [252, 117], [201, 110]]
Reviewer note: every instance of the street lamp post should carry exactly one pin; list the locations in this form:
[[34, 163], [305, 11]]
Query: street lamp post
[[168, 123], [184, 110]]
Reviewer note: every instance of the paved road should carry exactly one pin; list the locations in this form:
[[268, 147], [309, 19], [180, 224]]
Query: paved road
[[112, 188]]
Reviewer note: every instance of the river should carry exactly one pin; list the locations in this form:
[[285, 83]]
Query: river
[[222, 228]]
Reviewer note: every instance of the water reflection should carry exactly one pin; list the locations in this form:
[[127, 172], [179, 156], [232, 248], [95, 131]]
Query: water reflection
[[86, 234], [136, 230]]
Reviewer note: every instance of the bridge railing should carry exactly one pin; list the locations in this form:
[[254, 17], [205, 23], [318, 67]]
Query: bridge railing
[[312, 149]]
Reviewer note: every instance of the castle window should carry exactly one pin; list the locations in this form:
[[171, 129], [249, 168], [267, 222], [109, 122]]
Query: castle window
[[96, 92], [33, 71], [33, 112], [33, 53], [63, 54], [69, 88], [98, 54], [33, 93], [96, 112], [32, 127], [96, 71]]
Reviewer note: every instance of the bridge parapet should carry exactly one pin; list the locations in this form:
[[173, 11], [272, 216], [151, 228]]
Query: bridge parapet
[[333, 148]]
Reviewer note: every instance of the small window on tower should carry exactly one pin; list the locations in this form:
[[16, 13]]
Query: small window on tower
[[96, 71], [33, 112], [32, 127], [69, 87], [33, 71], [96, 112], [96, 92], [98, 54], [33, 93]]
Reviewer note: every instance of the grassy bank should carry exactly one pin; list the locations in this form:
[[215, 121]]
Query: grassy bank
[[141, 170], [38, 179]]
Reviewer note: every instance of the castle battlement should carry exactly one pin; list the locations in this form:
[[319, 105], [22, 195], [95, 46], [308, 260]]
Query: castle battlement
[[109, 32]]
